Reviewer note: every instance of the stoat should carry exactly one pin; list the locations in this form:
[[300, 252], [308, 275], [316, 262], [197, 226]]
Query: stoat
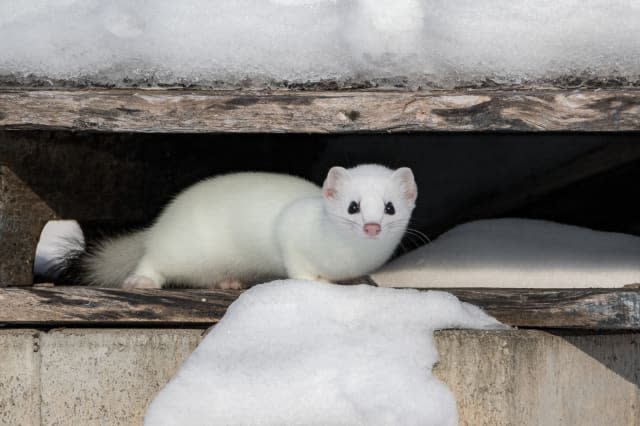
[[236, 229]]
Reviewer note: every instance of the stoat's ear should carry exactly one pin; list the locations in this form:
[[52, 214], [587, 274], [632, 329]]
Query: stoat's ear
[[335, 177], [404, 178]]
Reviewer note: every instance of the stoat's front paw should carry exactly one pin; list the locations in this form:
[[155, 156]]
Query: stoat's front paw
[[311, 277], [139, 281], [230, 284]]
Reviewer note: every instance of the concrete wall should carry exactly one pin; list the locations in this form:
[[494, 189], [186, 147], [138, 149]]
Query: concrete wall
[[535, 378], [108, 376], [19, 377]]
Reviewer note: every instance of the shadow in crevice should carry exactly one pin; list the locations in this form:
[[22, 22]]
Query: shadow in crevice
[[110, 179], [618, 352]]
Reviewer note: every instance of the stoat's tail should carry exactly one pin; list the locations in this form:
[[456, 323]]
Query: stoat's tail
[[105, 263], [110, 261]]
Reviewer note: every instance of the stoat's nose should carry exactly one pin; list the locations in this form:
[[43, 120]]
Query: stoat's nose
[[372, 229]]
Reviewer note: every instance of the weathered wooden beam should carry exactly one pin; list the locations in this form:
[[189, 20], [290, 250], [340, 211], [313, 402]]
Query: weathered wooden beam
[[23, 214], [282, 111], [100, 306], [588, 309]]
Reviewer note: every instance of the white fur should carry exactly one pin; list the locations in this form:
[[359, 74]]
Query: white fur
[[249, 227], [114, 260]]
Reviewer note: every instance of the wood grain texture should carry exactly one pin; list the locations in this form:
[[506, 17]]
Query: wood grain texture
[[97, 306], [23, 214], [286, 111], [592, 309], [587, 309]]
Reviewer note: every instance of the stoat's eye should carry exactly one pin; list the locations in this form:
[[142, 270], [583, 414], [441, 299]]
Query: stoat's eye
[[389, 209], [354, 207]]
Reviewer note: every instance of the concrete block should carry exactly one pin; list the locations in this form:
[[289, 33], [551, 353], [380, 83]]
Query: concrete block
[[108, 376], [528, 377], [516, 377], [19, 378]]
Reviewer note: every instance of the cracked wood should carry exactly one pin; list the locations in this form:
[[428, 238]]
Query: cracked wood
[[286, 111], [586, 309]]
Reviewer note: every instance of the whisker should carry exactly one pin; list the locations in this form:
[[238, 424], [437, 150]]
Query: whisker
[[420, 238], [345, 220], [420, 233], [412, 241], [404, 249], [395, 225], [417, 237], [397, 222]]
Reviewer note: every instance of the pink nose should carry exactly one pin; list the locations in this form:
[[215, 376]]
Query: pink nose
[[372, 229]]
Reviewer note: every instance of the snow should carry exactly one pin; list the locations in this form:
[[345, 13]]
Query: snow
[[302, 352], [204, 42], [56, 239], [518, 253]]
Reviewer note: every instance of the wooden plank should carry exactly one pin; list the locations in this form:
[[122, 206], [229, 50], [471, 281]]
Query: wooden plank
[[286, 111], [587, 309], [592, 309], [23, 214], [100, 306]]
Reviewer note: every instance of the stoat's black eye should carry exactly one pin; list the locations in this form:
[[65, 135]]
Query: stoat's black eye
[[389, 209], [354, 207]]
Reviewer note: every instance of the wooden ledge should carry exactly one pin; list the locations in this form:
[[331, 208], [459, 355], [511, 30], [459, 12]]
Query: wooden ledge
[[287, 111], [586, 309]]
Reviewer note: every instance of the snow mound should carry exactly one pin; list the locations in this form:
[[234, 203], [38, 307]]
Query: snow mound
[[518, 253], [204, 42], [307, 353], [57, 238]]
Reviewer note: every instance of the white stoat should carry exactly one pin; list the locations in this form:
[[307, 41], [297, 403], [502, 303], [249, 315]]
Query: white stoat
[[246, 227]]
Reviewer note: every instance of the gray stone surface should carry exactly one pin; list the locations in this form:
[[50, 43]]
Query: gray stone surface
[[19, 378], [107, 376], [515, 377], [527, 377]]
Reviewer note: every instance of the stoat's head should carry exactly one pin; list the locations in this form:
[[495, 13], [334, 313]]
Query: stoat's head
[[371, 201]]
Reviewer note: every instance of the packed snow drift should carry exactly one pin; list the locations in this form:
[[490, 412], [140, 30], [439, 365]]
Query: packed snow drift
[[56, 239], [308, 353], [248, 42], [518, 253]]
